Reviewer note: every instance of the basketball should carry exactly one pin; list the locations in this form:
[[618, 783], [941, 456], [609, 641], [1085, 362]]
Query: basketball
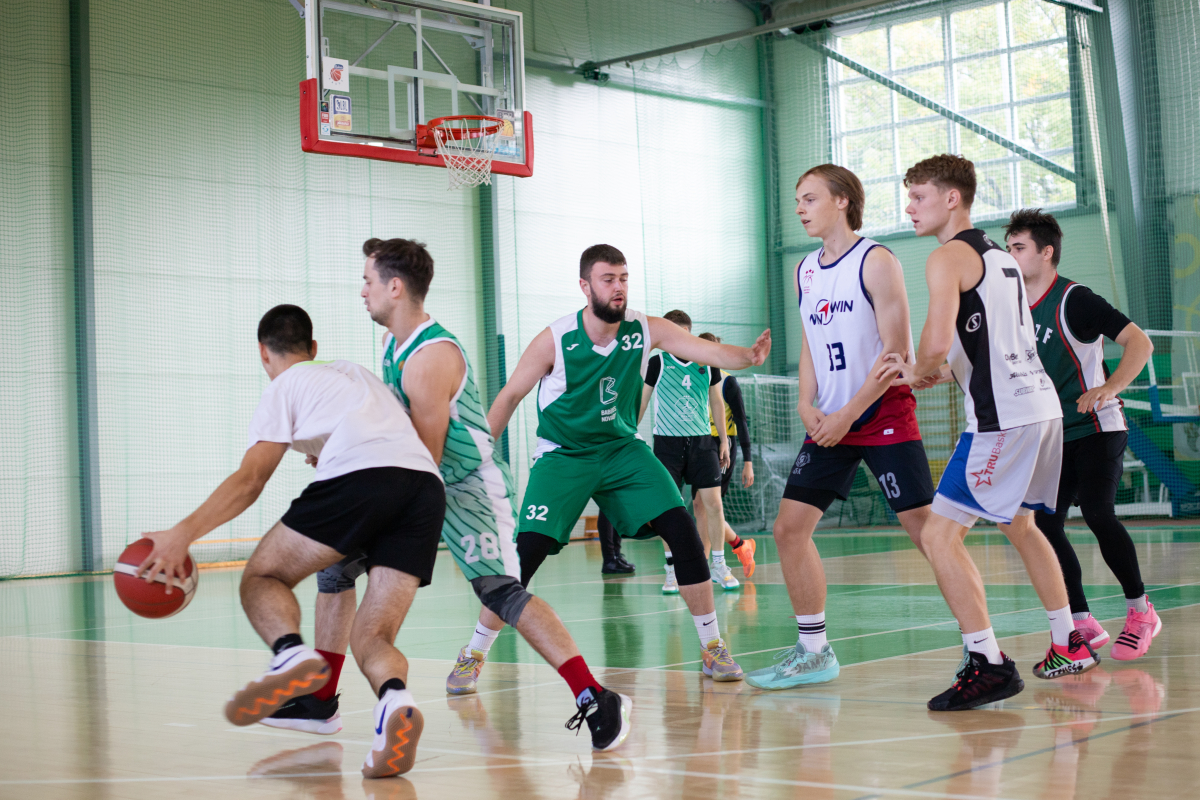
[[151, 599]]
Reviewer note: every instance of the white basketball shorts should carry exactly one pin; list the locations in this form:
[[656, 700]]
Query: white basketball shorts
[[1002, 474]]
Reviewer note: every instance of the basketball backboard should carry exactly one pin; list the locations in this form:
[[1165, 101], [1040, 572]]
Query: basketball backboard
[[380, 70]]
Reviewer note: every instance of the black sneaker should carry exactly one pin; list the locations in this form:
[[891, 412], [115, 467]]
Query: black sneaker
[[616, 566], [307, 714], [978, 683], [607, 717]]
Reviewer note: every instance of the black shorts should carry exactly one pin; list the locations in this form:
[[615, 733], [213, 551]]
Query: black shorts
[[690, 459], [820, 473], [394, 515], [726, 474]]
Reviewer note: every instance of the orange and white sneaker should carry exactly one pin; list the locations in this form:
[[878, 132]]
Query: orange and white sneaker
[[1139, 631], [745, 554], [296, 671], [398, 725], [466, 671], [718, 664], [1071, 659], [1091, 629]]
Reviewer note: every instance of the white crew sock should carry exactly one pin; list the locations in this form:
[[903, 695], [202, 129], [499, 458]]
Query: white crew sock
[[984, 642], [1079, 616], [706, 628], [403, 695], [718, 559], [1138, 604], [1061, 625], [483, 638], [812, 631]]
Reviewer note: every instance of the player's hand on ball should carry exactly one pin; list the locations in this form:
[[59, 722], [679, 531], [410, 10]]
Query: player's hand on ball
[[747, 474], [168, 557], [761, 348]]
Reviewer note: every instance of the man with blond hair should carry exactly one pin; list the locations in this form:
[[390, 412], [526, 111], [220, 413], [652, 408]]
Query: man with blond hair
[[854, 310]]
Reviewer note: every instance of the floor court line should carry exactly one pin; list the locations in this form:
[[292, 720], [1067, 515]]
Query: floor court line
[[613, 672], [1148, 717], [951, 621], [1041, 751]]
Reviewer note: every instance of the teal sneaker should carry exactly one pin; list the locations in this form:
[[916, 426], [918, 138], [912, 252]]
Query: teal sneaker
[[796, 667]]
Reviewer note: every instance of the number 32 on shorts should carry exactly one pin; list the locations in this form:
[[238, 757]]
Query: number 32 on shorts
[[537, 512], [489, 547]]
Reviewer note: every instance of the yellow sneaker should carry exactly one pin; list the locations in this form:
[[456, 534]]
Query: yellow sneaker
[[466, 671], [718, 664]]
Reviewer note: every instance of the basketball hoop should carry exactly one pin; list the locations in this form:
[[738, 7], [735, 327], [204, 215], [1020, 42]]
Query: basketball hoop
[[466, 144]]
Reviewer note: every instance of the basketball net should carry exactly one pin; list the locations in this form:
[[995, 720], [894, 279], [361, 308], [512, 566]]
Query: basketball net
[[466, 145]]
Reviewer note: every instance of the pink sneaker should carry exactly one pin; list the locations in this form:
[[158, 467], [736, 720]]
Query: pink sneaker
[[1090, 628], [1139, 631]]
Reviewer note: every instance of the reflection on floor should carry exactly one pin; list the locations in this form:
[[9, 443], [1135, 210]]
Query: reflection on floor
[[103, 704]]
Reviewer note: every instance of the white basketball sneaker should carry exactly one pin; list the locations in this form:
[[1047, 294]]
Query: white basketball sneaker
[[722, 576], [398, 723], [297, 671], [670, 585]]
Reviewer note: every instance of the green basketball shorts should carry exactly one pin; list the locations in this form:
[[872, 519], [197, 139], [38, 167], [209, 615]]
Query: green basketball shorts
[[625, 478]]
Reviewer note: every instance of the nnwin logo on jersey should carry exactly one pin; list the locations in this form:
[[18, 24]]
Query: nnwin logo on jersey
[[827, 308]]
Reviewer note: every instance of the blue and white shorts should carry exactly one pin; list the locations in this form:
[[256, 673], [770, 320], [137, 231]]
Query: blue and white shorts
[[1002, 474]]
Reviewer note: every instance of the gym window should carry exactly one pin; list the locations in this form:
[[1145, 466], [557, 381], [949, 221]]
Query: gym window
[[1001, 65]]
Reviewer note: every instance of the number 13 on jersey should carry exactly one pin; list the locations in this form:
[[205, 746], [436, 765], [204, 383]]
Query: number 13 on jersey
[[837, 356]]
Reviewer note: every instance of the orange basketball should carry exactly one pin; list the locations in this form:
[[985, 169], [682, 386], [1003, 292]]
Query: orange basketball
[[151, 599]]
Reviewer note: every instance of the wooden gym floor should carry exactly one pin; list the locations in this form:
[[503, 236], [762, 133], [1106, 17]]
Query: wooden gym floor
[[102, 704]]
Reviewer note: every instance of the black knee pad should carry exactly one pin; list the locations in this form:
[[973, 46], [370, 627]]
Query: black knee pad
[[341, 576], [503, 595], [532, 550], [678, 530]]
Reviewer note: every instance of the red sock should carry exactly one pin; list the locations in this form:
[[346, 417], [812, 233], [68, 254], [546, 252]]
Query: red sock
[[577, 675], [737, 542], [335, 667]]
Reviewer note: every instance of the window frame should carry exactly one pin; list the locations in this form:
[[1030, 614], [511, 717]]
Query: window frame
[[839, 76]]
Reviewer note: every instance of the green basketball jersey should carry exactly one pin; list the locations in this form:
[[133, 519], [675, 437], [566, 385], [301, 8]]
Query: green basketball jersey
[[592, 395], [1072, 364], [681, 398], [468, 439]]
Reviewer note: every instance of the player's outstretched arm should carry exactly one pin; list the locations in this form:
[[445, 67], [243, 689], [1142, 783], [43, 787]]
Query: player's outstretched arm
[[235, 494], [535, 364], [675, 340], [432, 376]]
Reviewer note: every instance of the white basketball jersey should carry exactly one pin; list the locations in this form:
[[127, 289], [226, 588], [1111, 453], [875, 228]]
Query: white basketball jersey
[[839, 324], [994, 356]]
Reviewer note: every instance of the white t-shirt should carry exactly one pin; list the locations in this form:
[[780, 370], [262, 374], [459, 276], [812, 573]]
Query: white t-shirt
[[344, 415]]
